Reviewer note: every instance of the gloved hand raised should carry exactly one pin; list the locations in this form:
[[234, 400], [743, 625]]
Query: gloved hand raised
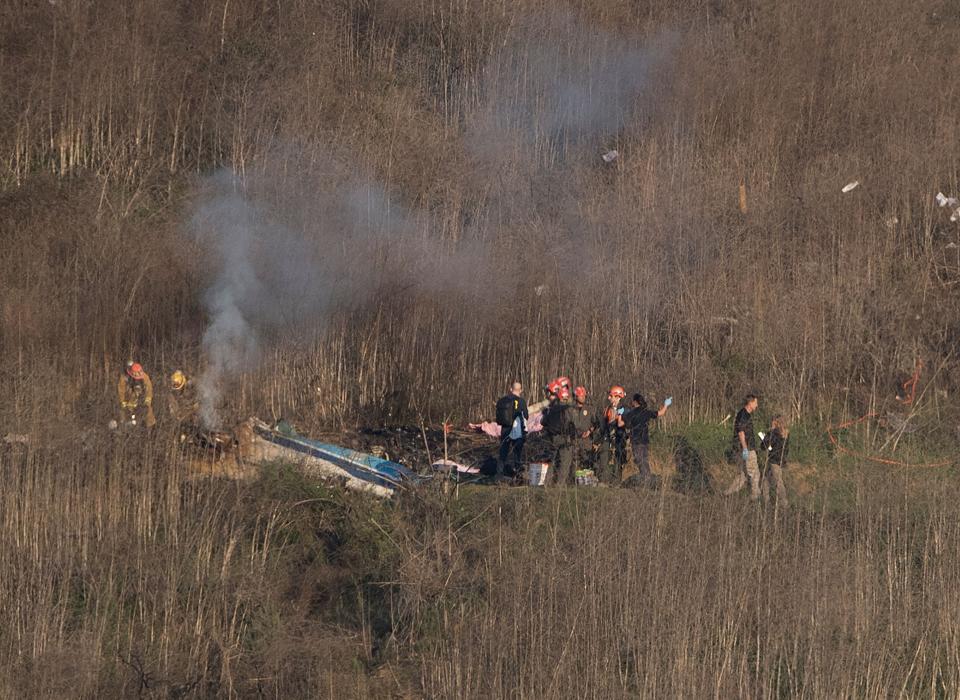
[[745, 454]]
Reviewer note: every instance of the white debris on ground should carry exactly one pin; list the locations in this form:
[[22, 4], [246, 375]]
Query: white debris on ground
[[610, 156], [447, 465], [850, 186], [945, 201], [953, 203]]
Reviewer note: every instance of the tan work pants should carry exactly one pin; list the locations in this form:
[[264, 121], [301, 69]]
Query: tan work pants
[[749, 472], [773, 479]]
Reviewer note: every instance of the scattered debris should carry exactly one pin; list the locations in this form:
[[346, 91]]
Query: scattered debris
[[537, 473], [951, 245], [892, 222], [355, 470], [540, 289], [953, 203], [459, 473], [449, 466], [945, 201], [16, 439], [610, 156], [850, 186]]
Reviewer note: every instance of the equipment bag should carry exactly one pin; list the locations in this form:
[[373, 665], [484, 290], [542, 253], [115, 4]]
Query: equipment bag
[[506, 411]]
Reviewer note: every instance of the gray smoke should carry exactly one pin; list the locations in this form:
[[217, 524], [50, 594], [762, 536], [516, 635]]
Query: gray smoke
[[224, 224], [279, 267], [266, 278], [554, 98], [286, 249], [560, 84]]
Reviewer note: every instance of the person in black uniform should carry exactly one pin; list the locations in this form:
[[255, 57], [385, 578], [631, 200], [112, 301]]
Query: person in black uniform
[[777, 451], [638, 423], [745, 446]]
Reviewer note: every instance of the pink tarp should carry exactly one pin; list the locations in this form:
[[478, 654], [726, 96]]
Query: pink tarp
[[534, 425]]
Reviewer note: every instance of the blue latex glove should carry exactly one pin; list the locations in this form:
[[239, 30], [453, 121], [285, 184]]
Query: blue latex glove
[[745, 454], [619, 411], [668, 401]]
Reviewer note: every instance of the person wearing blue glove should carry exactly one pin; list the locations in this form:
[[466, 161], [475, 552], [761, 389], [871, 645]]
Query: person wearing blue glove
[[744, 440], [638, 421]]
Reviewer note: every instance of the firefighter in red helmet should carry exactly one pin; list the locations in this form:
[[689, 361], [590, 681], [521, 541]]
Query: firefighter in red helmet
[[611, 438], [135, 391]]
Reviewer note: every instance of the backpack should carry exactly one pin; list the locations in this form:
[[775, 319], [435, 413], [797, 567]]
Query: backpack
[[506, 411], [553, 419]]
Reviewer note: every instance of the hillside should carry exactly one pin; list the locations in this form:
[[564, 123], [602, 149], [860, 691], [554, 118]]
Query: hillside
[[417, 194]]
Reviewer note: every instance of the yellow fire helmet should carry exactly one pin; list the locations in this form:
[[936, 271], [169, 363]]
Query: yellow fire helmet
[[178, 380]]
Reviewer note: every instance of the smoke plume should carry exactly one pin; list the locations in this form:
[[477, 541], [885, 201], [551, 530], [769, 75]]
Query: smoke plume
[[225, 226], [287, 249]]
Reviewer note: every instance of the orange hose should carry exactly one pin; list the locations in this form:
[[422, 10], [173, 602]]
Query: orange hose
[[872, 458], [911, 384]]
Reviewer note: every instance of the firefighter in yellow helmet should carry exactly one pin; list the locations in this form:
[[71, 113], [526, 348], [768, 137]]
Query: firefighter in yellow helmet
[[135, 391], [182, 398]]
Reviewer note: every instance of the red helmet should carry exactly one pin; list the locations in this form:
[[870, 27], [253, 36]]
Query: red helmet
[[563, 394], [135, 370], [563, 381], [580, 392], [618, 392]]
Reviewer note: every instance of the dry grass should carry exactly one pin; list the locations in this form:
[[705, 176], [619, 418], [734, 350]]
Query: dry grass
[[125, 580], [656, 596]]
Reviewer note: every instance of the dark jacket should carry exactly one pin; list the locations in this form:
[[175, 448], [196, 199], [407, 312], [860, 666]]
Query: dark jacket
[[559, 423], [776, 443], [638, 420]]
